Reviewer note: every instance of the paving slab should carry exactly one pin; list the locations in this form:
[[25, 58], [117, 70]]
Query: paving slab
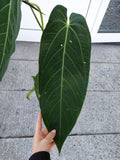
[[103, 76], [19, 75], [26, 51], [100, 114], [99, 147], [17, 114], [96, 135], [99, 53], [105, 53]]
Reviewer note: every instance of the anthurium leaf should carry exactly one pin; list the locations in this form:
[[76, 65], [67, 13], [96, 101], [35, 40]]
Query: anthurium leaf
[[10, 17], [64, 64]]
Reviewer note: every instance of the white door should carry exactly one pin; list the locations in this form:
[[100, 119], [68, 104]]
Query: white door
[[30, 31]]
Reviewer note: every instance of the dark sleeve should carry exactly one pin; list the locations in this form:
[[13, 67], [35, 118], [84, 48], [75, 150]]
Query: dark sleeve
[[40, 156]]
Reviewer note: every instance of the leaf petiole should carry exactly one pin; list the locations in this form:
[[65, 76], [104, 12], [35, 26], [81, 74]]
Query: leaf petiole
[[32, 90], [38, 9], [29, 4], [41, 14]]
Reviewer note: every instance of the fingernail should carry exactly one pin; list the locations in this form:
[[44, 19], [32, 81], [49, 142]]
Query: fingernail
[[54, 131]]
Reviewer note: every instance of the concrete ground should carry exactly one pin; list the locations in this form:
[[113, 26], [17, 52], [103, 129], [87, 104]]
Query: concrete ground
[[96, 135]]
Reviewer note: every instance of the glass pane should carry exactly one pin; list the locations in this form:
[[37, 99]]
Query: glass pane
[[111, 20]]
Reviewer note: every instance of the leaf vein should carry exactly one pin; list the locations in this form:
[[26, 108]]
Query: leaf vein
[[4, 7], [52, 43], [80, 47], [6, 34], [2, 33], [52, 92], [51, 78], [51, 59], [71, 75], [74, 65]]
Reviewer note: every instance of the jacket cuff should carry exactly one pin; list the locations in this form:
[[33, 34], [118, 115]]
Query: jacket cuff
[[43, 155]]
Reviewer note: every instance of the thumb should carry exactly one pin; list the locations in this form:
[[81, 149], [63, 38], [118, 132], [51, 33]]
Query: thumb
[[50, 136]]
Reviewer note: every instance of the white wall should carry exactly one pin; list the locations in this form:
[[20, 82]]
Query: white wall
[[30, 31]]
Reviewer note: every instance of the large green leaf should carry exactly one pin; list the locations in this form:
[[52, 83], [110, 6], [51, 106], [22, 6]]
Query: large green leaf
[[10, 17], [64, 64]]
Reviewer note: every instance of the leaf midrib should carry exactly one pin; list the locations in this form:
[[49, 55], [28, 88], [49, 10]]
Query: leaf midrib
[[10, 4], [61, 91]]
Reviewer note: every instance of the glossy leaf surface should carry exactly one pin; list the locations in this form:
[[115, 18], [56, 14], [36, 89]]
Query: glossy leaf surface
[[10, 17], [64, 64]]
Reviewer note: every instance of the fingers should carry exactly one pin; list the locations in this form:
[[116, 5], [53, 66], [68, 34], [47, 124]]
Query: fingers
[[52, 145], [45, 132], [39, 123], [50, 136]]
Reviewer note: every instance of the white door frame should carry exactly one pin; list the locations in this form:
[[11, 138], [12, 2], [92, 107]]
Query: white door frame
[[101, 37]]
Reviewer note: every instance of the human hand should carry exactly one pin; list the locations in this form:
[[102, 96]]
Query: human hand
[[42, 140]]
